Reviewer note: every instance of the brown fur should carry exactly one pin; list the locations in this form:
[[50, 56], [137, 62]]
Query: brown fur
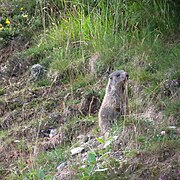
[[115, 102]]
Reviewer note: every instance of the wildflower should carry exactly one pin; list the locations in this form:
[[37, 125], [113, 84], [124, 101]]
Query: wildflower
[[21, 8], [1, 27], [25, 15], [7, 21], [163, 133]]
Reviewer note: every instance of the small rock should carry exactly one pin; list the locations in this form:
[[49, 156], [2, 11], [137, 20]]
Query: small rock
[[16, 141], [48, 132], [171, 127], [37, 72], [61, 166], [101, 170], [53, 132], [77, 150]]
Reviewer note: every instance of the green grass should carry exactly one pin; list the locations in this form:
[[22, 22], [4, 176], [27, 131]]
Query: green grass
[[41, 167], [3, 134], [172, 110], [2, 92], [90, 28], [127, 35]]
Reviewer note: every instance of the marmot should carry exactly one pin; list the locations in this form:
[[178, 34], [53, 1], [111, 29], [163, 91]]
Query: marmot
[[115, 102]]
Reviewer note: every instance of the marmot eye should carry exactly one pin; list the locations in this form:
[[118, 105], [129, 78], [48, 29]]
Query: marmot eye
[[118, 75], [110, 78], [127, 76]]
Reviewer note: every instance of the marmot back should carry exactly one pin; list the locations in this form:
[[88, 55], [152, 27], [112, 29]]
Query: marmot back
[[115, 102]]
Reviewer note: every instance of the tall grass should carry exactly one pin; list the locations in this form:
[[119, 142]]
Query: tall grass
[[83, 28]]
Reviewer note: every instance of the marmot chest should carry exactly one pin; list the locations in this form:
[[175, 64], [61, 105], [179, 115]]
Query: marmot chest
[[115, 101]]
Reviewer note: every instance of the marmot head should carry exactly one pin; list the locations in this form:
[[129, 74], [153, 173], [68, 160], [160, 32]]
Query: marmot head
[[117, 79]]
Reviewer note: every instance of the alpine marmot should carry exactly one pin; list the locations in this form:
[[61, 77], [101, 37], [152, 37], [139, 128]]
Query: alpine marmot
[[115, 102]]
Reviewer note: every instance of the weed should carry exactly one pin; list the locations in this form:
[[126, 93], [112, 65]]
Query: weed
[[3, 134], [2, 92]]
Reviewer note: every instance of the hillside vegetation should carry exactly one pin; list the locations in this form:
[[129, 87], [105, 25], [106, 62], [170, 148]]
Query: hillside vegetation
[[78, 43]]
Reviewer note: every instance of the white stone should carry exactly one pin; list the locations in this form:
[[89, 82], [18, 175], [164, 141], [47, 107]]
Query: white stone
[[61, 166], [77, 150]]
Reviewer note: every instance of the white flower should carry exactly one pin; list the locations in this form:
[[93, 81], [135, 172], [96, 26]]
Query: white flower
[[163, 133]]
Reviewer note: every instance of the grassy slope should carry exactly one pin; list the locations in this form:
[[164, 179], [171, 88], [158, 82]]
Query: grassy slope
[[145, 45]]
